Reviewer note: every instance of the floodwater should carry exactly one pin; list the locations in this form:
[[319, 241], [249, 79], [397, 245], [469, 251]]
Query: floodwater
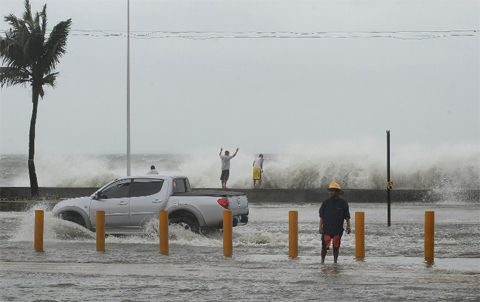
[[132, 269]]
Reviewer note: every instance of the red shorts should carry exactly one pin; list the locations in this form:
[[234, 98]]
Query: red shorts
[[327, 239]]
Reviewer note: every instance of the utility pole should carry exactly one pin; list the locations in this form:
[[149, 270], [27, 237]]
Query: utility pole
[[389, 183]]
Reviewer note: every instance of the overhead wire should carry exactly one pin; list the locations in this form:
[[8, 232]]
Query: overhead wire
[[207, 35]]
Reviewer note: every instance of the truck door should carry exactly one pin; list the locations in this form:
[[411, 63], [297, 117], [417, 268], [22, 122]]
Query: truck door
[[148, 198], [115, 201]]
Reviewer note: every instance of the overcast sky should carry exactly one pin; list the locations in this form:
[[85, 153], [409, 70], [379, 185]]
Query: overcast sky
[[228, 87]]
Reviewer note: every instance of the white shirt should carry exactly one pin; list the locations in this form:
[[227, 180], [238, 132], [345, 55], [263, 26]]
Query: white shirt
[[226, 162], [152, 172], [257, 163]]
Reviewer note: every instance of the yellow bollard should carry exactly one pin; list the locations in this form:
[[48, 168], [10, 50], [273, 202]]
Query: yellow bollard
[[293, 234], [39, 219], [163, 231], [429, 235], [100, 230], [227, 233], [359, 235]]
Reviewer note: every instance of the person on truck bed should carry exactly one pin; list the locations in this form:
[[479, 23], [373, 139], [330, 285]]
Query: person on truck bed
[[152, 170], [226, 166]]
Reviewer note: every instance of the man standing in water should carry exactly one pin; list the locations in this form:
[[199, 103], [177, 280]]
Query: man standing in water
[[332, 213], [257, 171], [226, 166]]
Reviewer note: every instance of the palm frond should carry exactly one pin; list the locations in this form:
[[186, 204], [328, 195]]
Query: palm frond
[[44, 21], [27, 15], [50, 79], [12, 51], [55, 47], [13, 76], [13, 21], [41, 92]]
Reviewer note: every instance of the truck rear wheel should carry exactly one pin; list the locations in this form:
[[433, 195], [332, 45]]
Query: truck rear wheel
[[187, 224]]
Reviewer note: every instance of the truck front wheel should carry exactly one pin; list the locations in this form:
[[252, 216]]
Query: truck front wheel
[[75, 218]]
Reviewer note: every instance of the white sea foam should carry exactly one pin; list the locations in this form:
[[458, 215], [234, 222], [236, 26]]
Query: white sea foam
[[355, 165]]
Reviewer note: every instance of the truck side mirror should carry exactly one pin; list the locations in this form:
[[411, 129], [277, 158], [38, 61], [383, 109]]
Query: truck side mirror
[[99, 196]]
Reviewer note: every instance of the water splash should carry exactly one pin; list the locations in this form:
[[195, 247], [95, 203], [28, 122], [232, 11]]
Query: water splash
[[355, 165], [55, 229]]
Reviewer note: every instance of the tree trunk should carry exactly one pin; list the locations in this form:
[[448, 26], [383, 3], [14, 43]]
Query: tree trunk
[[31, 147]]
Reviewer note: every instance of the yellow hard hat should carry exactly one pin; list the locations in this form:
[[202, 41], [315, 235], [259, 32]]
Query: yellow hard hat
[[336, 186]]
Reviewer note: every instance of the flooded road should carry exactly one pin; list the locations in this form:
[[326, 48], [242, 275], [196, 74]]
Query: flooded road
[[132, 269]]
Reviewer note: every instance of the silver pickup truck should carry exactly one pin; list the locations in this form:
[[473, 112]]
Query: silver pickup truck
[[131, 202]]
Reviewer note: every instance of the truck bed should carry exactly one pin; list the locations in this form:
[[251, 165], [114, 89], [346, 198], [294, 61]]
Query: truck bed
[[212, 193]]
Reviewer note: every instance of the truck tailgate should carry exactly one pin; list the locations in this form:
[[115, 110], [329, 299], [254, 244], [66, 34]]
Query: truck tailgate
[[238, 204]]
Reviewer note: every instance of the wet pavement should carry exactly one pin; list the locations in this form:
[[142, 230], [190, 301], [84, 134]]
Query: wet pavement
[[132, 269]]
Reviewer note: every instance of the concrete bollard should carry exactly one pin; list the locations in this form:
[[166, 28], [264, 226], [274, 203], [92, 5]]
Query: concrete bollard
[[39, 224], [227, 233], [163, 231], [429, 236], [293, 234], [359, 235], [100, 231]]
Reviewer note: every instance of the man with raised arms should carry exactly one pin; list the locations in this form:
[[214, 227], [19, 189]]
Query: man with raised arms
[[226, 166]]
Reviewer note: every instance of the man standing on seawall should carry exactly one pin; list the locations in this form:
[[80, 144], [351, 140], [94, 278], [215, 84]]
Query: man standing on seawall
[[332, 213], [226, 166], [257, 171]]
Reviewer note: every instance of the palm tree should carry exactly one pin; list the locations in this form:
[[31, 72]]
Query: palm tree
[[30, 58]]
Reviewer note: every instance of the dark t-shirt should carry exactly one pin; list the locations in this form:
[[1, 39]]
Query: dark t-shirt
[[333, 212]]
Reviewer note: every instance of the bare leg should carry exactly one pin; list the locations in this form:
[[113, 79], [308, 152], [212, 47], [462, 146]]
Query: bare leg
[[260, 181], [324, 254], [335, 255]]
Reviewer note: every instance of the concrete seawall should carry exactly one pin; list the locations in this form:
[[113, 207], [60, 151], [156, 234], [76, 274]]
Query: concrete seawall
[[46, 193], [17, 198]]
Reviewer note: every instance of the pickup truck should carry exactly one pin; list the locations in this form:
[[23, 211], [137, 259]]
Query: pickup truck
[[131, 202]]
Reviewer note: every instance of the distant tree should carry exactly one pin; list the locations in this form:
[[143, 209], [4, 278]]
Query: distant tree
[[31, 58]]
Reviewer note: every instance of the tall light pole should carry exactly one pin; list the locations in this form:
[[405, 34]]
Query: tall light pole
[[128, 89]]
